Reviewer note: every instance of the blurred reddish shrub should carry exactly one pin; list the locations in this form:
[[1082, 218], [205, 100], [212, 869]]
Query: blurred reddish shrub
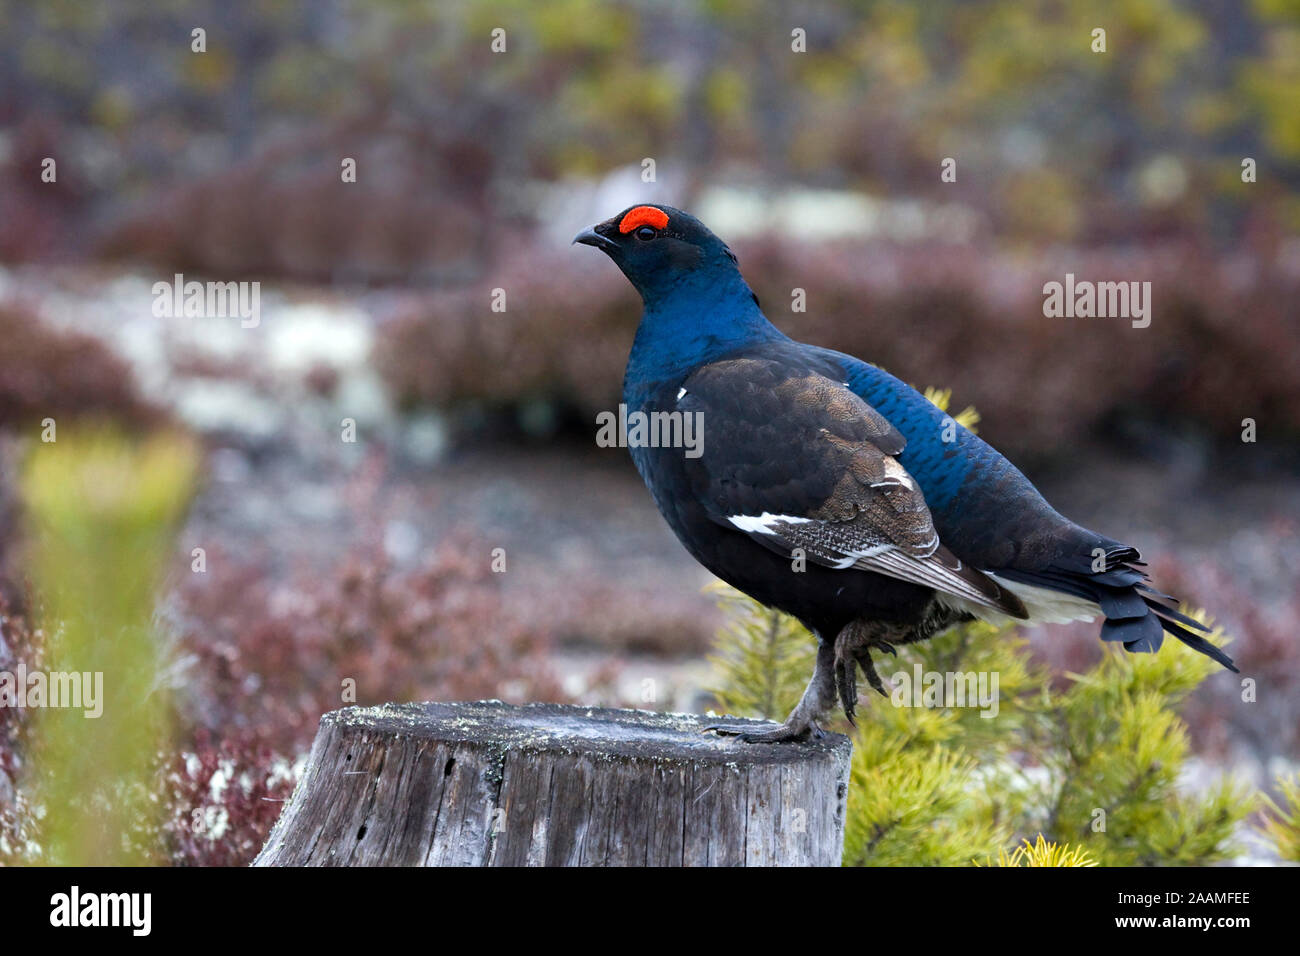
[[221, 798], [39, 219], [564, 337], [46, 372], [288, 212], [19, 641], [1266, 650], [276, 657], [265, 661]]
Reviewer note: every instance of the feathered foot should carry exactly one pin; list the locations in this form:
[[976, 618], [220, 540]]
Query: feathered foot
[[802, 722]]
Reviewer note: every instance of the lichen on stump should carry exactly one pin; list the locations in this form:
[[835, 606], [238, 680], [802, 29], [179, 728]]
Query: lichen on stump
[[490, 784]]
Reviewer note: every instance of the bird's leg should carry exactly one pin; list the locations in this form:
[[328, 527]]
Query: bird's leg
[[802, 722]]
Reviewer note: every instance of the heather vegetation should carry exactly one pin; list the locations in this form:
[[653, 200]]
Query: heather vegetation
[[1057, 143], [63, 374]]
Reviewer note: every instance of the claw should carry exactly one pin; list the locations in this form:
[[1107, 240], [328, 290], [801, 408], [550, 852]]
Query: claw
[[726, 730], [782, 734], [869, 668], [846, 683]]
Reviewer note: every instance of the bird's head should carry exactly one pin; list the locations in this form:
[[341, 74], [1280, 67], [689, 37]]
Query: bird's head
[[660, 248]]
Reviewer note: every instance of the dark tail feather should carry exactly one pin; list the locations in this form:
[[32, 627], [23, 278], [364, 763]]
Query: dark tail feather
[[1141, 635], [1144, 633], [1180, 626], [1198, 643], [1135, 612]]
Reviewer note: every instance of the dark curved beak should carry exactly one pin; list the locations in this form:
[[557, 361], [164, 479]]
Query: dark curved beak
[[590, 237]]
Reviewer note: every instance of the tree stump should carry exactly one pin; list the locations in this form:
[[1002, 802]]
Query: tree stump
[[489, 784]]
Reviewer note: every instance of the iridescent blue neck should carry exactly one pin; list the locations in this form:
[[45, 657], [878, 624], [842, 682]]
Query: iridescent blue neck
[[693, 320]]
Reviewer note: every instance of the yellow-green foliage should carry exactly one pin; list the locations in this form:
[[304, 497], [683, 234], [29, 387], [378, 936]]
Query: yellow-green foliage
[[764, 658], [1114, 743], [1090, 773], [1282, 819], [102, 512], [1042, 853], [915, 801]]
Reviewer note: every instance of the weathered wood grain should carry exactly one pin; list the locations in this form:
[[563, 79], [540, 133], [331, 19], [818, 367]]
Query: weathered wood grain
[[489, 784]]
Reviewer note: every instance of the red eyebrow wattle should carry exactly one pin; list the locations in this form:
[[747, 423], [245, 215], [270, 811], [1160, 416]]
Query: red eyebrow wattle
[[643, 216]]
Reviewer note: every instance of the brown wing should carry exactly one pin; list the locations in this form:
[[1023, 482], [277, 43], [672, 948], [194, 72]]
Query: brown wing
[[800, 461]]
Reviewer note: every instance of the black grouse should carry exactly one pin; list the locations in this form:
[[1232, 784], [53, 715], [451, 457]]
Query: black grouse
[[827, 488]]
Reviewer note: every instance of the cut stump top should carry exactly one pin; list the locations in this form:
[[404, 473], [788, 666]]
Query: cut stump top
[[594, 731]]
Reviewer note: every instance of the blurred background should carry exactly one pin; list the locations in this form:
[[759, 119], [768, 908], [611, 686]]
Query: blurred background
[[304, 560]]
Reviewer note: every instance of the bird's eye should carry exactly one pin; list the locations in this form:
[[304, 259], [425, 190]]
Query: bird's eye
[[644, 233]]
